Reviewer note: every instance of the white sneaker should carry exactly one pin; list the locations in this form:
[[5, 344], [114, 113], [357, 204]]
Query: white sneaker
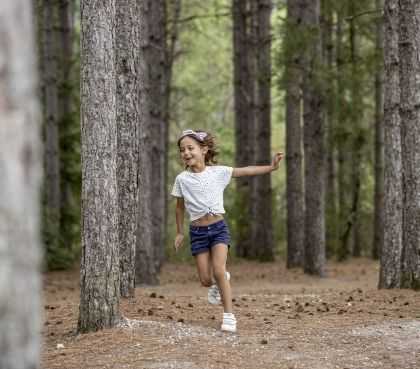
[[229, 323], [213, 295]]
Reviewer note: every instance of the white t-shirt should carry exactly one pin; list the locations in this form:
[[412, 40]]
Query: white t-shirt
[[203, 191]]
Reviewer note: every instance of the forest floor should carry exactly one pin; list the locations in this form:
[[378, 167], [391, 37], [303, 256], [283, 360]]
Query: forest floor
[[285, 320]]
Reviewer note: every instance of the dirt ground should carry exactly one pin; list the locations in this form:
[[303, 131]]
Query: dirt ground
[[285, 320]]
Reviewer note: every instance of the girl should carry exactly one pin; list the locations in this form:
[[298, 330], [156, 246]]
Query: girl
[[199, 189]]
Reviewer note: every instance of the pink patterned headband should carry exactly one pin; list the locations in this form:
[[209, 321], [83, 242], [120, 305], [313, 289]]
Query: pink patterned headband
[[200, 136]]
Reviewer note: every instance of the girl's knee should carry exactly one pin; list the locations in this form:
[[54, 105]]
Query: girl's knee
[[205, 281], [219, 272]]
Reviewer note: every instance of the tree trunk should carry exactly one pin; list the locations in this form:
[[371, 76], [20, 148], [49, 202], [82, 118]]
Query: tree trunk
[[100, 283], [49, 80], [379, 138], [294, 158], [262, 226], [390, 255], [20, 179], [409, 49], [173, 14], [146, 264], [314, 261], [243, 97], [358, 134], [331, 231], [68, 126], [127, 56], [157, 60], [342, 136]]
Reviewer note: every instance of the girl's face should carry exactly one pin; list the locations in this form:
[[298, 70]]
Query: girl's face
[[192, 153]]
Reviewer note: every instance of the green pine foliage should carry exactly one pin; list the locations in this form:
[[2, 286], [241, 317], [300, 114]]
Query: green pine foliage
[[202, 97]]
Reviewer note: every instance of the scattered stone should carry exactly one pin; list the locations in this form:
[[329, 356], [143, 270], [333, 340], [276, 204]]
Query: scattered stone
[[300, 309], [153, 295]]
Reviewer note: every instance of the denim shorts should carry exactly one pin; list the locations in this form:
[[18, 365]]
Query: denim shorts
[[203, 238]]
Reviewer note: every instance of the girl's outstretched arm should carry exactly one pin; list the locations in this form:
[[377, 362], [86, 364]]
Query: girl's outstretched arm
[[179, 216], [259, 169]]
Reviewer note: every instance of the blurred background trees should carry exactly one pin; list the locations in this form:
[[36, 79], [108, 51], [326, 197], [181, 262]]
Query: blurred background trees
[[302, 77]]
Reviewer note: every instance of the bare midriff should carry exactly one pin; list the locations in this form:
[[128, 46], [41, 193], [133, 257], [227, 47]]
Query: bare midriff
[[207, 220]]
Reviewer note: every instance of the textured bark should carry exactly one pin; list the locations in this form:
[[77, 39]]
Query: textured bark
[[294, 153], [128, 126], [357, 136], [67, 121], [100, 284], [314, 260], [331, 231], [343, 135], [173, 14], [66, 10], [409, 49], [146, 264], [379, 138], [20, 178], [157, 60], [262, 226], [390, 270], [49, 79], [244, 122]]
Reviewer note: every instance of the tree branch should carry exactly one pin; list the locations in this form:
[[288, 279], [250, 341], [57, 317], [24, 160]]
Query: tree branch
[[352, 17]]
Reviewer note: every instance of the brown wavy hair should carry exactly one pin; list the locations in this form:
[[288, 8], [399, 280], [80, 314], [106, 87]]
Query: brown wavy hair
[[209, 142]]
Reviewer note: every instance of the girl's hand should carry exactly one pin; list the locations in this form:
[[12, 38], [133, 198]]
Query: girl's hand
[[179, 239], [278, 156]]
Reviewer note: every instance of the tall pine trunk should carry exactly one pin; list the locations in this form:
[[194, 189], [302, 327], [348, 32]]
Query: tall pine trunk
[[390, 256], [68, 126], [357, 136], [49, 82], [409, 49], [99, 274], [314, 147], [20, 179], [294, 152], [342, 136], [379, 138], [146, 264], [173, 14], [243, 97], [157, 60], [262, 226], [331, 231], [128, 120]]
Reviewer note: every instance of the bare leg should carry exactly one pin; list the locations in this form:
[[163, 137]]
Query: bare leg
[[218, 260], [203, 263]]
